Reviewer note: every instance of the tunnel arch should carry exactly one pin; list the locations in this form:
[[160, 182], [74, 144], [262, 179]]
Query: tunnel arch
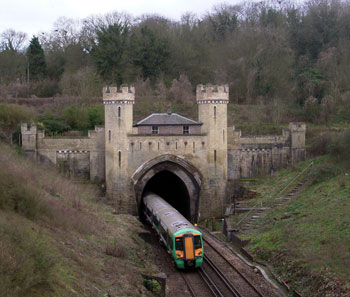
[[183, 177]]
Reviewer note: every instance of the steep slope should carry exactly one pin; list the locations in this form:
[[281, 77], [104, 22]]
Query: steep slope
[[59, 238], [307, 238]]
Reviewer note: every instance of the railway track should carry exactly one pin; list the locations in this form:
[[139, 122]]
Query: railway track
[[236, 282], [218, 278]]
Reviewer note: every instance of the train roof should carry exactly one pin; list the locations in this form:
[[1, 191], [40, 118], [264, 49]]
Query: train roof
[[170, 218]]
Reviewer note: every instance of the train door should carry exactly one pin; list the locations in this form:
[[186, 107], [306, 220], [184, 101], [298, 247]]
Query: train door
[[189, 247]]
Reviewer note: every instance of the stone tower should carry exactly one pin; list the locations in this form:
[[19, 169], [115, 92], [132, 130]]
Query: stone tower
[[118, 124], [212, 112], [29, 139], [298, 131]]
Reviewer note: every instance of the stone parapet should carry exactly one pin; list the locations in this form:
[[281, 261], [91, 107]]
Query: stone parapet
[[217, 93], [124, 94]]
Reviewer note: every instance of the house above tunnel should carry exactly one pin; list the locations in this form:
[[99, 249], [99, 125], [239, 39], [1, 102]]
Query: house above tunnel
[[168, 124]]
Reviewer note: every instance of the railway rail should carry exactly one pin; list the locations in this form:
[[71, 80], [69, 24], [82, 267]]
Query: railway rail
[[218, 278], [234, 279]]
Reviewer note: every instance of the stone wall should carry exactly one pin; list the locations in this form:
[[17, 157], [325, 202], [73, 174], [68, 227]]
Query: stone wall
[[259, 155], [78, 156], [126, 157]]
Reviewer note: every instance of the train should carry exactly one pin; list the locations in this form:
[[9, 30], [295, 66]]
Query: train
[[182, 240]]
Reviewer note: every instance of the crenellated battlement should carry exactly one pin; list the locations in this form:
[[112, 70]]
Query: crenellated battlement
[[124, 93], [31, 129], [212, 92], [297, 127]]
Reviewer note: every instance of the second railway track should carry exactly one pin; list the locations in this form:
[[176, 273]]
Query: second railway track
[[218, 277], [236, 283]]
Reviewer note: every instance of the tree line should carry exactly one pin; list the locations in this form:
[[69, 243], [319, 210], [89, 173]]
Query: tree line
[[271, 52]]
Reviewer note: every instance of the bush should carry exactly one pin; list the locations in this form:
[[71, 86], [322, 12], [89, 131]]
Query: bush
[[19, 197], [76, 117], [323, 172], [44, 89], [116, 250], [96, 116], [320, 145], [11, 115], [340, 147], [52, 124], [26, 264]]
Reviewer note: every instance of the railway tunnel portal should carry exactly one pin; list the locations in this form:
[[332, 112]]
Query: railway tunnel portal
[[173, 178]]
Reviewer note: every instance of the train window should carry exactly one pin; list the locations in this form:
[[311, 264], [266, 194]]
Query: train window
[[178, 244], [155, 221], [170, 242], [197, 242], [162, 231]]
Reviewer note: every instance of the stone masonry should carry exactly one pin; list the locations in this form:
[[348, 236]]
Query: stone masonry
[[127, 159]]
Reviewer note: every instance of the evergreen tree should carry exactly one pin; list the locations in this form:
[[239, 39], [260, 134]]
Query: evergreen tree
[[110, 52], [36, 60], [151, 53]]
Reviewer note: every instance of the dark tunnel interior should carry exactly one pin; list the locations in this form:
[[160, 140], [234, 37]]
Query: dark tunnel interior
[[172, 189]]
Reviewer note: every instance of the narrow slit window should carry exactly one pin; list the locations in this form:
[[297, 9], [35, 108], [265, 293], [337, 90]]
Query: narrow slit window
[[119, 111], [214, 156], [176, 145], [109, 135], [214, 112], [194, 146], [120, 158], [140, 145]]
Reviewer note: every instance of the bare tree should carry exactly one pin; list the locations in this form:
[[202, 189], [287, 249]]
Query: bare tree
[[12, 40]]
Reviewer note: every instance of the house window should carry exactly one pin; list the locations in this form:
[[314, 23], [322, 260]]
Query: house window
[[154, 129], [185, 130]]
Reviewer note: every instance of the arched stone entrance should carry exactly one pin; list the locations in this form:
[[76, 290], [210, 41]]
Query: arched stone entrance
[[173, 178]]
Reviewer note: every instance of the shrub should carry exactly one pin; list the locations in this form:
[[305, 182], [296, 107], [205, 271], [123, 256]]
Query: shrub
[[52, 124], [11, 115], [25, 260], [45, 88], [96, 116], [116, 250], [340, 147], [323, 172], [76, 117], [18, 196], [320, 145]]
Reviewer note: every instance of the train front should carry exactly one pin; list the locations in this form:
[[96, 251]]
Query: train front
[[188, 248]]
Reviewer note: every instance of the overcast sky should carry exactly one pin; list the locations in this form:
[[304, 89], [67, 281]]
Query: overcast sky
[[33, 16]]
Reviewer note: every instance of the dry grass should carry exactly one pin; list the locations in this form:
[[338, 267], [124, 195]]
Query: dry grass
[[40, 193], [115, 249], [58, 238]]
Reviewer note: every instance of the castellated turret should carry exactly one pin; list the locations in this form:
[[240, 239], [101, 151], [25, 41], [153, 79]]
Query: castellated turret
[[118, 103], [124, 93], [212, 92], [212, 112]]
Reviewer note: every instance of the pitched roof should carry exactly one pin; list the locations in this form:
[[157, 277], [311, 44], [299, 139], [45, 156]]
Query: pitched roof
[[166, 119]]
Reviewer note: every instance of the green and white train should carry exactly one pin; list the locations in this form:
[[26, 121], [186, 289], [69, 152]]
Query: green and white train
[[181, 238]]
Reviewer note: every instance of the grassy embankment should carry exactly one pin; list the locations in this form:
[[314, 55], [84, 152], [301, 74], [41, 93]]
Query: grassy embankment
[[307, 239], [58, 238]]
